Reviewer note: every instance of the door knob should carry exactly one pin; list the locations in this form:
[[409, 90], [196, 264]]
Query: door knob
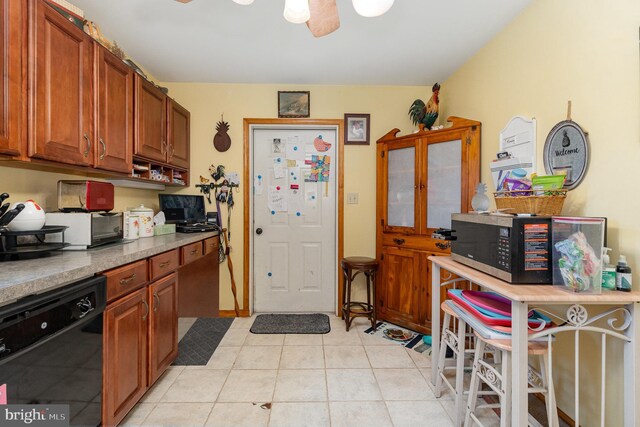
[[258, 231]]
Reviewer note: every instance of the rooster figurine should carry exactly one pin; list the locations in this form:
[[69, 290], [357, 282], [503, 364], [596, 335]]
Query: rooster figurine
[[426, 114]]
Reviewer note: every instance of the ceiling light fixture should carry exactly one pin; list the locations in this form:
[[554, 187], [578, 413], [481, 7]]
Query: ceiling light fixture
[[372, 8], [296, 11], [243, 2]]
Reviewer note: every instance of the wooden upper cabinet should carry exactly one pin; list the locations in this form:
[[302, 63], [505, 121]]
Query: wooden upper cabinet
[[114, 112], [178, 131], [60, 96], [10, 87], [150, 138], [163, 325]]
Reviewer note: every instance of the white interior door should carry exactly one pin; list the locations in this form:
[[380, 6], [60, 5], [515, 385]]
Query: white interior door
[[294, 252]]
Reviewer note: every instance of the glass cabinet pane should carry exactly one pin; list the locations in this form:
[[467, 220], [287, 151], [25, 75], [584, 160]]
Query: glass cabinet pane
[[401, 187], [444, 182]]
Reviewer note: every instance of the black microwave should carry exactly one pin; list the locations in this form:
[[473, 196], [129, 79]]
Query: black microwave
[[514, 249]]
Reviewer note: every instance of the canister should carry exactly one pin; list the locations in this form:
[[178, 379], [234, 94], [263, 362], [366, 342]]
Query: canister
[[145, 220], [131, 225]]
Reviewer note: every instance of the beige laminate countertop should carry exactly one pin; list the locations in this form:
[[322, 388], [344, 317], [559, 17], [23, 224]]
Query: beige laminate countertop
[[21, 278]]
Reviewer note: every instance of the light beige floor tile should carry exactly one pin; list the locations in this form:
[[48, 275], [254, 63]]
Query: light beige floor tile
[[412, 414], [258, 357], [155, 393], [341, 337], [370, 414], [196, 385], [238, 415], [223, 358], [137, 415], [264, 339], [179, 414], [249, 386], [234, 338], [299, 415], [487, 416], [303, 339], [306, 385], [345, 357], [242, 322], [303, 357], [422, 360], [402, 384], [352, 384], [389, 357]]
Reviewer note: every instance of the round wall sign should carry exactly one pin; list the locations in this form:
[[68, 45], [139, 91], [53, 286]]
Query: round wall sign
[[566, 148]]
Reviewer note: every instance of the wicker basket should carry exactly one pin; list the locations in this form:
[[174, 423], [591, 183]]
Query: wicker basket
[[525, 202]]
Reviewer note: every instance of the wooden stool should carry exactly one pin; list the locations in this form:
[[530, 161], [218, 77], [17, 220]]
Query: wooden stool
[[499, 380], [351, 267]]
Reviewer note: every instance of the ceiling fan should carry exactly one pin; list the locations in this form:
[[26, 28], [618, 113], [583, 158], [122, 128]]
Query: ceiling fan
[[321, 16]]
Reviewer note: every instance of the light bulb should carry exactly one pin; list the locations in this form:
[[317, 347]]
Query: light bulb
[[372, 8], [243, 2], [296, 11]]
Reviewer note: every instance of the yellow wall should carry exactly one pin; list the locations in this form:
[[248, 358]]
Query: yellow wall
[[586, 52], [387, 105]]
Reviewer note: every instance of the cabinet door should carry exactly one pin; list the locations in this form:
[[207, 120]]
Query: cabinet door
[[114, 112], [179, 129], [150, 121], [10, 87], [399, 289], [125, 356], [59, 88], [163, 325], [400, 187]]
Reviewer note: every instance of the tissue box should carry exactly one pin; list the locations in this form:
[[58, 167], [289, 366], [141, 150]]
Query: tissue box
[[159, 230]]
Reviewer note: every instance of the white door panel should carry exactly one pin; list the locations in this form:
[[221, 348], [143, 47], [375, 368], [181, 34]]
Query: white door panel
[[294, 258]]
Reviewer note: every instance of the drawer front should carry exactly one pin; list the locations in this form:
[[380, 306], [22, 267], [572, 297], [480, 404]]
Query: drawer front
[[163, 264], [125, 279], [211, 245], [191, 252]]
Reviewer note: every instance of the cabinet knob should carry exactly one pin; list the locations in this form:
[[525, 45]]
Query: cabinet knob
[[398, 241]]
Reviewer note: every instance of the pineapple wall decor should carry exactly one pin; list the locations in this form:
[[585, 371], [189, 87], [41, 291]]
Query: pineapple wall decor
[[222, 141]]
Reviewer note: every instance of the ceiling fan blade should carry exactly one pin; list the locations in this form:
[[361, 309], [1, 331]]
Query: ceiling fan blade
[[324, 17]]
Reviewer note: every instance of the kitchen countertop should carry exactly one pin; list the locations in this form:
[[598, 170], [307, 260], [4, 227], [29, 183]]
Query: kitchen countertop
[[21, 278]]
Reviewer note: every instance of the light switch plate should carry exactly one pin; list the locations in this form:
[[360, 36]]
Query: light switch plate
[[352, 198]]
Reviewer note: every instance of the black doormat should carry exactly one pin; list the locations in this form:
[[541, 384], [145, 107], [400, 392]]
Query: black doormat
[[201, 340], [291, 324]]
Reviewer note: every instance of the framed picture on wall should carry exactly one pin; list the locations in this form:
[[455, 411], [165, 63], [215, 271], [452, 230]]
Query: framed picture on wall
[[356, 129], [292, 104]]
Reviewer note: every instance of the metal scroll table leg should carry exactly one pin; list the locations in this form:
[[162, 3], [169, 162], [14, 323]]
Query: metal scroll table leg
[[435, 321], [632, 369], [519, 364]]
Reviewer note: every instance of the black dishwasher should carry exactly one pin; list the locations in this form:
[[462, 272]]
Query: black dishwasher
[[51, 349]]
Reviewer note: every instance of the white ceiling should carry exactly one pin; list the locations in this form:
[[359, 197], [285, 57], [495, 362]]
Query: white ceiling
[[417, 42]]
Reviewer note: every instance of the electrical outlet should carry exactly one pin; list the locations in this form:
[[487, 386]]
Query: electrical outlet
[[352, 198]]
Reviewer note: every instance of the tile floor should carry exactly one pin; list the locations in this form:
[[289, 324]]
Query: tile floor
[[337, 379]]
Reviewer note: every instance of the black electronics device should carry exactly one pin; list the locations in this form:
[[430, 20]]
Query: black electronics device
[[182, 208]]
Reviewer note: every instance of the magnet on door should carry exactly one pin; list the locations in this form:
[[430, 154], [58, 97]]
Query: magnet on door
[[269, 274]]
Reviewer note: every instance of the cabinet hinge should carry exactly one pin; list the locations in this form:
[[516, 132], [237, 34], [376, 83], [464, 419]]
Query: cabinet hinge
[[468, 140], [382, 154]]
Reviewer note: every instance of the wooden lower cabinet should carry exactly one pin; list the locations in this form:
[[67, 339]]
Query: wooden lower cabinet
[[163, 325], [125, 355]]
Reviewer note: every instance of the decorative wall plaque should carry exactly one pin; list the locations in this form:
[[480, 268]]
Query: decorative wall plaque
[[567, 148]]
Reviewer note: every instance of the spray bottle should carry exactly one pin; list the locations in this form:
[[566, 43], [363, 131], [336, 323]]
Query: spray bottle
[[608, 271], [623, 275]]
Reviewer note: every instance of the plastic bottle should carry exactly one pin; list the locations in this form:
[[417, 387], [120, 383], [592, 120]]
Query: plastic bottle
[[623, 275], [608, 271]]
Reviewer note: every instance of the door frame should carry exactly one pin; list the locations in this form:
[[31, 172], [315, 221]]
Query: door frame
[[247, 300]]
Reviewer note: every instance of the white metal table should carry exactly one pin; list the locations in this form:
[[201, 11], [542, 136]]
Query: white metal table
[[621, 319]]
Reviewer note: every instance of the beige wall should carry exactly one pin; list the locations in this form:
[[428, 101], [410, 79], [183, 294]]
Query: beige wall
[[388, 107], [587, 52]]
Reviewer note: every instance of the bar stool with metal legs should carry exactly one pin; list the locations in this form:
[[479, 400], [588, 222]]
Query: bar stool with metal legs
[[351, 267], [498, 378]]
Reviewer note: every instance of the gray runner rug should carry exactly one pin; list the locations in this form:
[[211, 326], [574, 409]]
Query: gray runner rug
[[291, 324], [201, 340]]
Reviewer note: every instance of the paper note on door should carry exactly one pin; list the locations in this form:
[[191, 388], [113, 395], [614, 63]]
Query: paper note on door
[[278, 167], [295, 204], [277, 199], [310, 197]]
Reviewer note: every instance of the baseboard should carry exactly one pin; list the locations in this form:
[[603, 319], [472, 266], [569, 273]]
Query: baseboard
[[232, 313]]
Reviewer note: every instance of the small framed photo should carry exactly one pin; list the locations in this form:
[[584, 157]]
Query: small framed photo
[[356, 129], [292, 104]]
